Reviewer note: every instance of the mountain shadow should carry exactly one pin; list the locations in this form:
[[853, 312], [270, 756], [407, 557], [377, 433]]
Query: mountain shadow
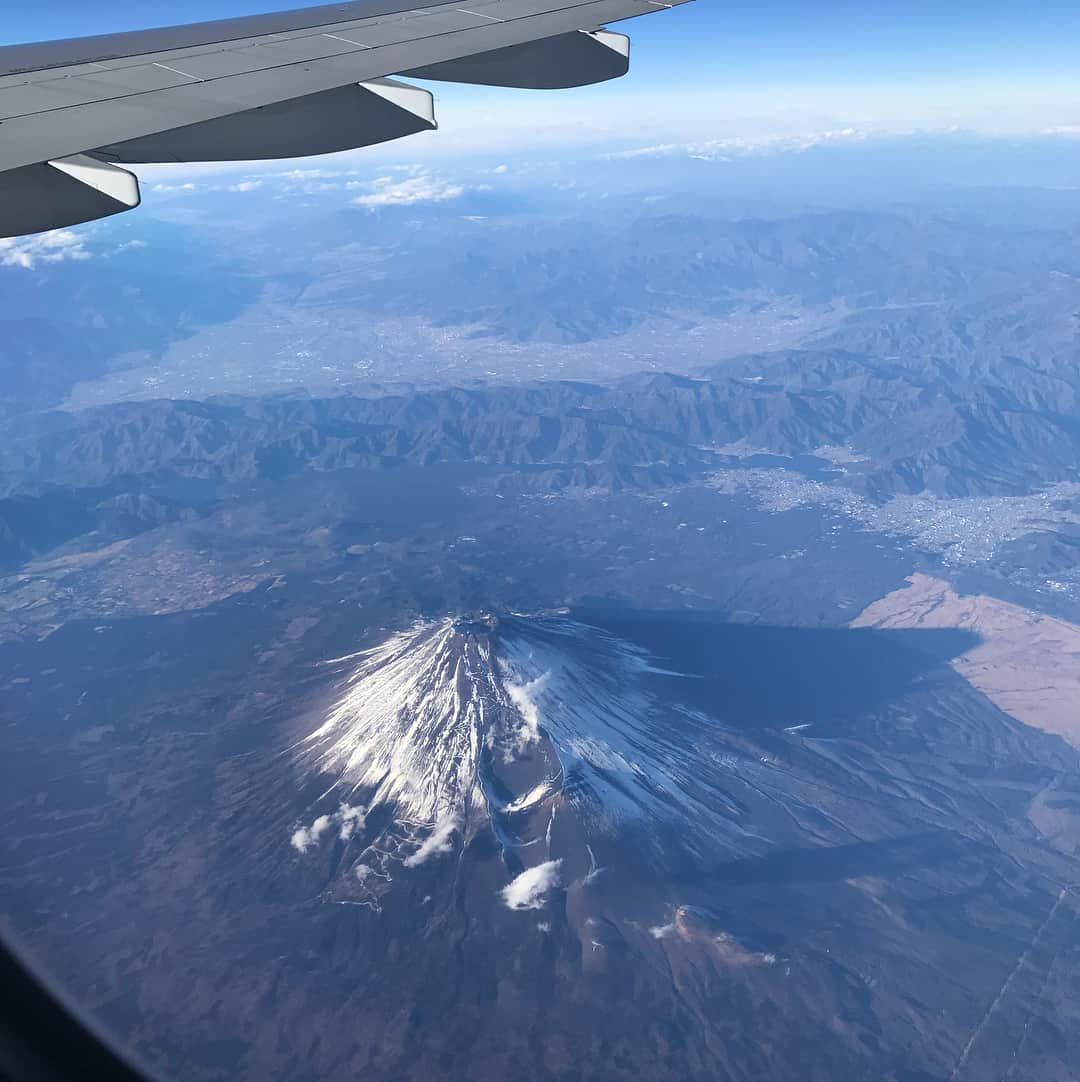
[[756, 676]]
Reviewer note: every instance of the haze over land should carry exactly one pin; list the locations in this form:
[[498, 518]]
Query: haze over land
[[555, 617]]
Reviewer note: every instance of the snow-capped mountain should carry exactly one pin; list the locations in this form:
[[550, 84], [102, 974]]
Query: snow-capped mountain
[[553, 734]]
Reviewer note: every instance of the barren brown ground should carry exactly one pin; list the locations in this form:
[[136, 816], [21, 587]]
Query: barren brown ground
[[1027, 664]]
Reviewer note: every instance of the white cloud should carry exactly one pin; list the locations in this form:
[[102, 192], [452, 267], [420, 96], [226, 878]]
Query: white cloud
[[348, 819], [522, 696], [390, 192], [530, 889], [246, 186], [351, 820], [440, 840], [59, 246], [500, 169], [305, 837], [162, 187]]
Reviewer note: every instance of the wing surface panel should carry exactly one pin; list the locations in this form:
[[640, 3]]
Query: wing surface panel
[[35, 57]]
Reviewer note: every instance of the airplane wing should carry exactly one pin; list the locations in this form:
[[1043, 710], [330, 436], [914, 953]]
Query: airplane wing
[[281, 85]]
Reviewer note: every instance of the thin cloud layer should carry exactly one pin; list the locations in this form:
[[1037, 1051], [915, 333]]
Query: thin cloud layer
[[395, 192], [723, 149]]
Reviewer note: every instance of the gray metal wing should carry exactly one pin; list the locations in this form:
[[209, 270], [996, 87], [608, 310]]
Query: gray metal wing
[[286, 84]]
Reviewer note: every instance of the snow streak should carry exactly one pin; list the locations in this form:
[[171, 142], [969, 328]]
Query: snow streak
[[410, 727]]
